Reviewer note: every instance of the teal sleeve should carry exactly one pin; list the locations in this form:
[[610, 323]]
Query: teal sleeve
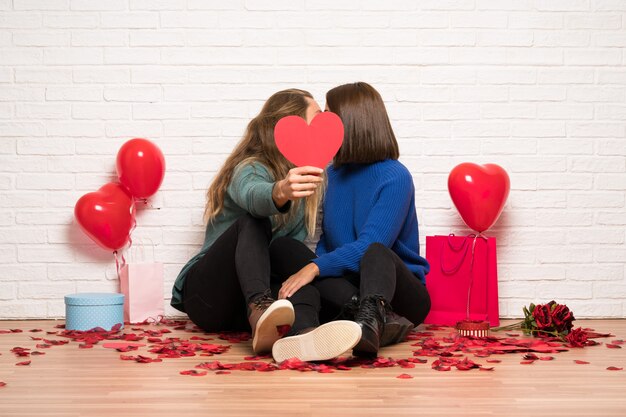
[[251, 189]]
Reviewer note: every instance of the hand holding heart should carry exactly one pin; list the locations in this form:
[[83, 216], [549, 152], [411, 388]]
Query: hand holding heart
[[300, 182]]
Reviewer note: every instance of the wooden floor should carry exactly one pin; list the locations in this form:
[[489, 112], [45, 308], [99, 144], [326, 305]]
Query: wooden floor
[[68, 381]]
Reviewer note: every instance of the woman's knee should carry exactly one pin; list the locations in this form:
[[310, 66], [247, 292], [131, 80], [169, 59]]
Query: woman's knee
[[306, 295], [377, 248], [260, 223], [376, 251]]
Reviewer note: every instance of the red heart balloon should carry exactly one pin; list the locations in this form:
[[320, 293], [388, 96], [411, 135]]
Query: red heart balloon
[[140, 167], [309, 145], [479, 193], [107, 215]]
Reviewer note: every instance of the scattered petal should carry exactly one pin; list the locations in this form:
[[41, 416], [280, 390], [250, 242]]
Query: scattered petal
[[579, 362], [404, 376], [25, 363], [613, 346], [121, 345], [614, 368], [193, 372]]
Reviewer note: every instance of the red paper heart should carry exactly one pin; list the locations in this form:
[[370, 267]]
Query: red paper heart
[[479, 193], [309, 145], [107, 215]]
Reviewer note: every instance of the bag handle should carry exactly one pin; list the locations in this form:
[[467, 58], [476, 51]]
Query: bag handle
[[463, 247], [139, 254]]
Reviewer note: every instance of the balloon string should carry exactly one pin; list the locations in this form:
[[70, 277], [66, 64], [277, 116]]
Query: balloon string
[[132, 229], [117, 263], [469, 289]]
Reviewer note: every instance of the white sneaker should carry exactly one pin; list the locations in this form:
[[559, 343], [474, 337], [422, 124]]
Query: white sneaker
[[322, 343], [267, 328]]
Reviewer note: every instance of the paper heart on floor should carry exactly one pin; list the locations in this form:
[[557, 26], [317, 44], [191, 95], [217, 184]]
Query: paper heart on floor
[[309, 145], [479, 193]]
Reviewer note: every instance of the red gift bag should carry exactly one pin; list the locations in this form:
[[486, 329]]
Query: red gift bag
[[463, 279]]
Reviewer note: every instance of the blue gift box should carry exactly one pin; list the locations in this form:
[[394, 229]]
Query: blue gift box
[[85, 311]]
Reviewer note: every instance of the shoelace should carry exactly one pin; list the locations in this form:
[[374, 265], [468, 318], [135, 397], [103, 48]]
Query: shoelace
[[372, 311], [263, 302]]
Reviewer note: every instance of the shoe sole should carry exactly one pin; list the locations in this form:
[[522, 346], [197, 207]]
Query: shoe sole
[[279, 313], [324, 342]]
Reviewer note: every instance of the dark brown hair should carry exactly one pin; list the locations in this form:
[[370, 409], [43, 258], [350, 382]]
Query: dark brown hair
[[368, 136]]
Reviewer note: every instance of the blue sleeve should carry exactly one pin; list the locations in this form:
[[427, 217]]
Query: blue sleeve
[[383, 225]]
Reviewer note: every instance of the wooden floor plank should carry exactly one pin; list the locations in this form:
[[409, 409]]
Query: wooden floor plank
[[70, 382]]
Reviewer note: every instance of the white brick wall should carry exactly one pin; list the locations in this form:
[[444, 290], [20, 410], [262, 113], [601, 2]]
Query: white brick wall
[[537, 86]]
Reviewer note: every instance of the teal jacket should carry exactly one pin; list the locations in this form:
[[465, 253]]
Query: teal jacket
[[249, 191]]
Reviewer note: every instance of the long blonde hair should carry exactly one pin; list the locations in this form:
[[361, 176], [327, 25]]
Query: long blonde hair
[[257, 145]]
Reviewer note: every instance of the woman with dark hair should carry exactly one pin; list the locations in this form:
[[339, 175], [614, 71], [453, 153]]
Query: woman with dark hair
[[256, 197], [368, 266]]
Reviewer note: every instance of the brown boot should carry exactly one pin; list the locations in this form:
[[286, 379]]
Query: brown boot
[[269, 321]]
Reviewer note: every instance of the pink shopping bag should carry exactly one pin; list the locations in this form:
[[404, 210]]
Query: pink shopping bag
[[463, 279], [142, 286]]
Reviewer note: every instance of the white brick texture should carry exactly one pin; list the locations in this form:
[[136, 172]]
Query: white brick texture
[[536, 86]]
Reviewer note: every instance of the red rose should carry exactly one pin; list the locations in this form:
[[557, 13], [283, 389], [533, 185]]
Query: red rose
[[577, 338], [542, 317], [562, 318]]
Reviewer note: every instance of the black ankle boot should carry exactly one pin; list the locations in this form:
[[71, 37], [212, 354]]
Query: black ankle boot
[[349, 309], [371, 318], [396, 329]]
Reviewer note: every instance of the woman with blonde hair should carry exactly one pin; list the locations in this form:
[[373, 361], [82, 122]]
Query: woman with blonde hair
[[256, 197]]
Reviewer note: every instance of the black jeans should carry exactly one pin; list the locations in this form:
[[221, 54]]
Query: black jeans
[[235, 270], [382, 272]]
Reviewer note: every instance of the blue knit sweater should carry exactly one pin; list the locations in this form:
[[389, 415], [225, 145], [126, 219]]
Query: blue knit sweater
[[366, 204]]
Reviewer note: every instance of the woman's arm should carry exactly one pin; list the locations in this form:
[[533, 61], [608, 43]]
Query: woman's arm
[[298, 280], [253, 188], [383, 225]]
